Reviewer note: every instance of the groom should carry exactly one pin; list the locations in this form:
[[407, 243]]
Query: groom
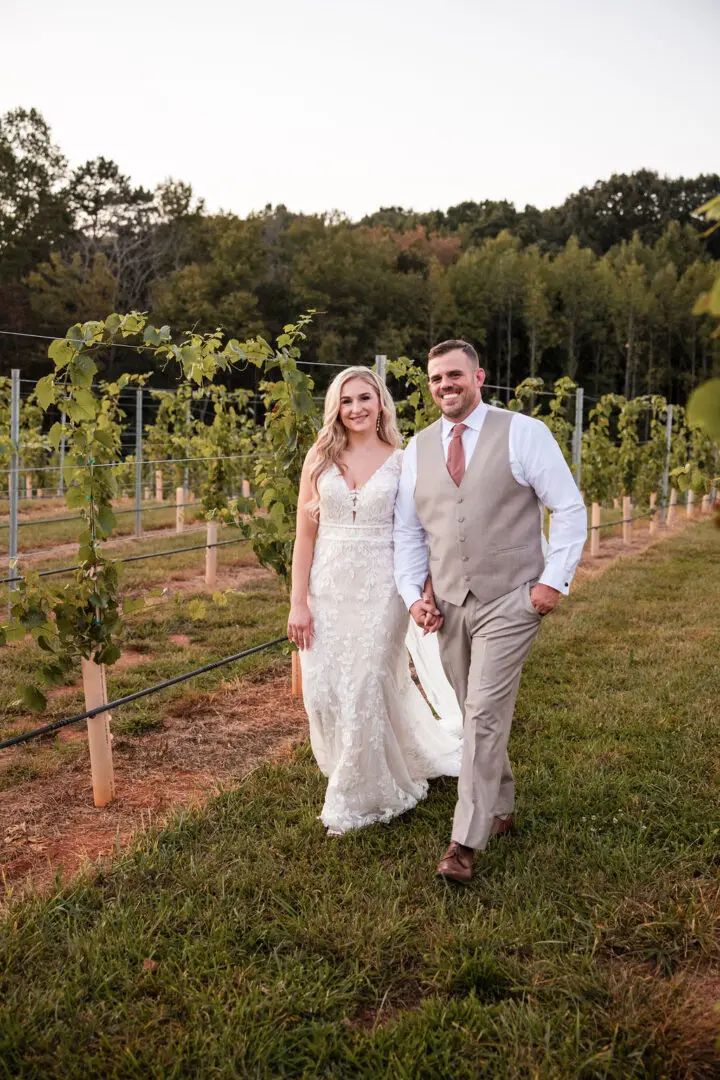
[[469, 513]]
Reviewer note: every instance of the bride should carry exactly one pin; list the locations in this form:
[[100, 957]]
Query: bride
[[371, 732]]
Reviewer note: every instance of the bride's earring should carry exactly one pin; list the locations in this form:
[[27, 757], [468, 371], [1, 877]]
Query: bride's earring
[[377, 425]]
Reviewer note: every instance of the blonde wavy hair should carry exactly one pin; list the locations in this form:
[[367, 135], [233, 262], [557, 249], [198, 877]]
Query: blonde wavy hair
[[333, 438]]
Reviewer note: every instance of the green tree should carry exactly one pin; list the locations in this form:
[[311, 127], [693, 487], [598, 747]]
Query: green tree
[[579, 293]]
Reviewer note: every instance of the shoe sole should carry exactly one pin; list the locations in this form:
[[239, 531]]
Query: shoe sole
[[453, 880]]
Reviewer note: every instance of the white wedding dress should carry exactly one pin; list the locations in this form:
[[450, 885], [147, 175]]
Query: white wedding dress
[[372, 733]]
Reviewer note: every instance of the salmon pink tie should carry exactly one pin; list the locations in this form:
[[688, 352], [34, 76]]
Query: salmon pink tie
[[456, 454]]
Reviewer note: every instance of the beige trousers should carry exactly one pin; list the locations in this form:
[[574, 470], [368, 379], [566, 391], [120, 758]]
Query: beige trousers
[[483, 647]]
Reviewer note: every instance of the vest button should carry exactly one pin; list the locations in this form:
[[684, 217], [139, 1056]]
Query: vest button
[[467, 577], [459, 498], [466, 558], [461, 519], [461, 539]]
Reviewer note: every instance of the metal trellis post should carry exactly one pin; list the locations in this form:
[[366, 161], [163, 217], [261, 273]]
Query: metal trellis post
[[577, 434], [138, 461], [13, 478], [381, 367], [666, 472]]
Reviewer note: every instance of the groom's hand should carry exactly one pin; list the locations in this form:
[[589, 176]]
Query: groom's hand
[[433, 621], [544, 598], [426, 615]]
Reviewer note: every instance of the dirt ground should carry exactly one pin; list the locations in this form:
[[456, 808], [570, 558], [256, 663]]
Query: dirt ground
[[208, 740]]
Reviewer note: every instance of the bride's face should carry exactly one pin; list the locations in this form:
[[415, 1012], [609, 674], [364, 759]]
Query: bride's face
[[359, 406]]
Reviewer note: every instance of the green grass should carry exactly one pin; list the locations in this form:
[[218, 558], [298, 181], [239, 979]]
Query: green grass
[[575, 952]]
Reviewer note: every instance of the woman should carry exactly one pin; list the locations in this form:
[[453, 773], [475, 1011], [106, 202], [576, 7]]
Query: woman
[[372, 733]]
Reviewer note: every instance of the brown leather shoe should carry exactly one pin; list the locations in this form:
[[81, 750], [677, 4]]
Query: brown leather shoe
[[500, 826], [456, 864]]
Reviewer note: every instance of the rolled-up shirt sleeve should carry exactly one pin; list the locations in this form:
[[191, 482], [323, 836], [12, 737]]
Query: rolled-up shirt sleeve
[[410, 540], [540, 464]]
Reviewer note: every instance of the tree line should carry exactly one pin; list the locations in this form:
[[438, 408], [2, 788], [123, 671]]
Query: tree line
[[600, 289]]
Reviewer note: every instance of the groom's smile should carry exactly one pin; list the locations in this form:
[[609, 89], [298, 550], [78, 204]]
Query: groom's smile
[[455, 384]]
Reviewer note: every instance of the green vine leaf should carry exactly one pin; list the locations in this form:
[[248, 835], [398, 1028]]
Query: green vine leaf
[[197, 610], [61, 352], [109, 655], [45, 391], [33, 698]]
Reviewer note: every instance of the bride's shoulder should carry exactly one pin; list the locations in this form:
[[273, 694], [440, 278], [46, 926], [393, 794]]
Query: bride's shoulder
[[396, 458]]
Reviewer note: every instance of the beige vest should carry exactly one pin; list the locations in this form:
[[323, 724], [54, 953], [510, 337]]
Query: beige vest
[[483, 536]]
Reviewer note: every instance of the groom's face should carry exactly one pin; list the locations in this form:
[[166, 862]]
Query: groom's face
[[454, 384]]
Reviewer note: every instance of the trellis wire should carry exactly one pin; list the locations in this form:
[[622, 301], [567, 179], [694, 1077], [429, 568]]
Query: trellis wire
[[117, 513], [56, 725], [135, 558], [155, 461]]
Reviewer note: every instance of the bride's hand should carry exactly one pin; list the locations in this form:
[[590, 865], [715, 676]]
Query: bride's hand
[[301, 629], [433, 620]]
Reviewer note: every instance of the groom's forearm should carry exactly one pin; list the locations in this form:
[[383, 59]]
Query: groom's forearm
[[568, 533]]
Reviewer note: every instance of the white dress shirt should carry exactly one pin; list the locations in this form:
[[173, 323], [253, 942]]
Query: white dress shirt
[[536, 461]]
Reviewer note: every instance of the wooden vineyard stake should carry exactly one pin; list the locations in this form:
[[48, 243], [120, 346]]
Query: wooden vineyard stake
[[653, 517], [672, 508], [627, 519], [158, 485], [211, 555], [705, 505], [595, 530], [179, 509], [39, 493], [146, 494], [690, 509], [99, 737], [28, 487], [616, 504], [246, 489], [296, 675]]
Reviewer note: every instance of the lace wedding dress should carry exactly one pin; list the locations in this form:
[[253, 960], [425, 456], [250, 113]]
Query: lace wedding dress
[[371, 731]]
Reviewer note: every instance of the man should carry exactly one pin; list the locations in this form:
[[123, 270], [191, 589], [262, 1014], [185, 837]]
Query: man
[[469, 513]]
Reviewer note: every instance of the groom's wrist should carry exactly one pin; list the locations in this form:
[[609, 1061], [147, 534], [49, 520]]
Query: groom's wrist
[[557, 578], [410, 595]]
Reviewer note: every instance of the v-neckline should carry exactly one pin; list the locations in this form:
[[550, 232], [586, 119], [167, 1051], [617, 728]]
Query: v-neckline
[[357, 490]]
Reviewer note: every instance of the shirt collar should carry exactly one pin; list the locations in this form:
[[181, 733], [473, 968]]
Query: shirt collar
[[474, 420]]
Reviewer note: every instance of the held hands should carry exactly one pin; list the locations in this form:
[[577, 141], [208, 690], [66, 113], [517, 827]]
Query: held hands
[[544, 598], [301, 629], [425, 612]]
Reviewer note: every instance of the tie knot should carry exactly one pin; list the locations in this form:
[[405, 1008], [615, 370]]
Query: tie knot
[[458, 430]]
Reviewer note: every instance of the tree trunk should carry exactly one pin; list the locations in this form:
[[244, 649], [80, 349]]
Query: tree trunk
[[599, 351], [572, 363], [629, 356], [533, 351]]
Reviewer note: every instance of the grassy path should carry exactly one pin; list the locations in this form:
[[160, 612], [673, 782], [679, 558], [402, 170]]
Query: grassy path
[[241, 942]]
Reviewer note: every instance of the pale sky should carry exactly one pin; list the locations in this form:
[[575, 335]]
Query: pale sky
[[355, 105]]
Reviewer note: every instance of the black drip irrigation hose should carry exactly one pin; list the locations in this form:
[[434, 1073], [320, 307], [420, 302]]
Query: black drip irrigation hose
[[134, 558], [56, 725], [623, 521]]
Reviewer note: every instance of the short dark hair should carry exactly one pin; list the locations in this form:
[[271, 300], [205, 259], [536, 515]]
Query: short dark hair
[[455, 343]]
